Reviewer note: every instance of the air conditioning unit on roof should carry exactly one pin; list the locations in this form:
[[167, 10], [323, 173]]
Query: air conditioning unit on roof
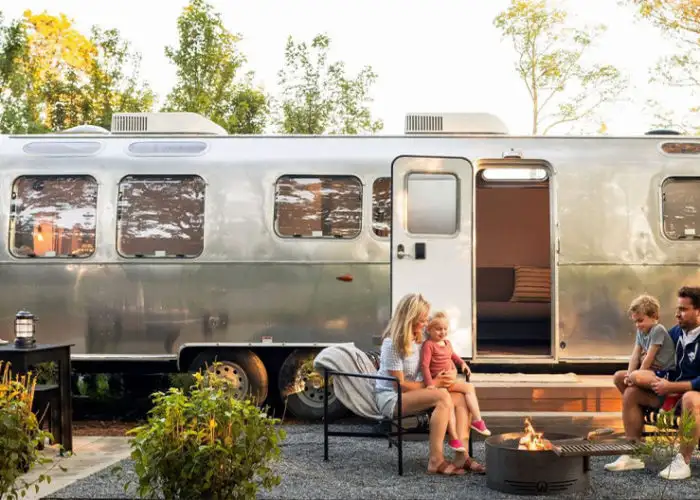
[[164, 123], [454, 124]]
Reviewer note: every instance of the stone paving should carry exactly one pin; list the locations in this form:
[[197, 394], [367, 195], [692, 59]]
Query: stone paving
[[91, 454]]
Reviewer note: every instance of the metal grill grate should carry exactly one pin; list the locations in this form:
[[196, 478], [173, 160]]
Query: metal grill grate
[[594, 449]]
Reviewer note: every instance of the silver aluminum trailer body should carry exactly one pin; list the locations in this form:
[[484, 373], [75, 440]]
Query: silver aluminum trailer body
[[252, 289]]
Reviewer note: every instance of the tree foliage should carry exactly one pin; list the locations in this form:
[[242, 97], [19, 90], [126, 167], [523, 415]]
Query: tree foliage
[[53, 77], [317, 97], [680, 20], [550, 62], [208, 64]]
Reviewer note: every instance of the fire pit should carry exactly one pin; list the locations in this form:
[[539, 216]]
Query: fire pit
[[525, 463]]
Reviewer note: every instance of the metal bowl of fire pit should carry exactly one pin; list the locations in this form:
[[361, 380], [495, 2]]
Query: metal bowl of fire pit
[[533, 472]]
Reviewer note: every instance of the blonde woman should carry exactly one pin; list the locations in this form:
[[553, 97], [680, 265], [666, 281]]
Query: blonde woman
[[400, 358]]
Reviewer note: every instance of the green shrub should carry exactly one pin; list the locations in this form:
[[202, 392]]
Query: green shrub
[[19, 434], [205, 444]]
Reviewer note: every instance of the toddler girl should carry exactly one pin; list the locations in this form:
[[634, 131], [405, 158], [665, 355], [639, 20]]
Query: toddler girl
[[437, 356]]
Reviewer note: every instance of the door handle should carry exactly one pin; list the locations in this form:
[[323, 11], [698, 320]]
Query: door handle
[[401, 252], [419, 249]]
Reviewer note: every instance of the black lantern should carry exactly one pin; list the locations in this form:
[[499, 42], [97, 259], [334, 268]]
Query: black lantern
[[24, 329]]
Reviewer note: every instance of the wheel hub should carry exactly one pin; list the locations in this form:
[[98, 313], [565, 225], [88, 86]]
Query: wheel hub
[[236, 378], [312, 393]]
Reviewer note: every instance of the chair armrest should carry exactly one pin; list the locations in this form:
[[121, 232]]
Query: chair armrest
[[362, 375]]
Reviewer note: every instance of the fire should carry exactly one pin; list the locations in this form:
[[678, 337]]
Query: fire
[[533, 441]]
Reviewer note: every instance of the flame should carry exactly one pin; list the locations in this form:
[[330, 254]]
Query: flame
[[533, 441]]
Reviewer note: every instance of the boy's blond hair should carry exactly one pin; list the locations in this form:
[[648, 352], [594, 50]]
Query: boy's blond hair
[[646, 305]]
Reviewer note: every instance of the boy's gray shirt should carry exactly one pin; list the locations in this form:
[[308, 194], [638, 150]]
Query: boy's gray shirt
[[666, 355]]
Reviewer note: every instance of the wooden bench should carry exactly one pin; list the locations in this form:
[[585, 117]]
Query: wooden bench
[[393, 429]]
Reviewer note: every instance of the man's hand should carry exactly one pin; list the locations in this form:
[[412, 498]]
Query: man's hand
[[465, 369], [661, 386], [628, 381]]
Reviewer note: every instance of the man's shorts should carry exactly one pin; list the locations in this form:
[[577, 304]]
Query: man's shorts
[[662, 373]]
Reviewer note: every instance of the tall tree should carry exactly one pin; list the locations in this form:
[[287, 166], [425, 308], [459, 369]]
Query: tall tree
[[318, 97], [208, 64], [680, 20], [563, 91], [55, 77], [14, 111]]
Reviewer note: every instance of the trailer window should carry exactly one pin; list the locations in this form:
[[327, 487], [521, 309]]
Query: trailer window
[[681, 208], [381, 207], [53, 216], [318, 207], [161, 216], [432, 204]]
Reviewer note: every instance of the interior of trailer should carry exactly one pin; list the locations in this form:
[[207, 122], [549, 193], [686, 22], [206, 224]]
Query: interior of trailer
[[513, 263]]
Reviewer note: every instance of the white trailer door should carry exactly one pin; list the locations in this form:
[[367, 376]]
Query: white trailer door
[[431, 239]]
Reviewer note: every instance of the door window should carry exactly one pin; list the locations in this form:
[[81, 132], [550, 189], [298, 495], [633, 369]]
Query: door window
[[432, 204]]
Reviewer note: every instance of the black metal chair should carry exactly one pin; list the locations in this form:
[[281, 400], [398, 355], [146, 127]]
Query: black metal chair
[[394, 430], [47, 402]]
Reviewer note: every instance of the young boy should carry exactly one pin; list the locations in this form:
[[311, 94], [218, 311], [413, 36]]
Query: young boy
[[654, 353]]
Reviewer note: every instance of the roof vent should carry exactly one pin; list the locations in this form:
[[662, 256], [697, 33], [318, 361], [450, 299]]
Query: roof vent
[[86, 129], [164, 123], [454, 124], [663, 131]]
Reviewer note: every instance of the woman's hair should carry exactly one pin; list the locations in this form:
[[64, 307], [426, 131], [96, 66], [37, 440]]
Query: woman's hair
[[646, 305], [400, 327], [438, 317]]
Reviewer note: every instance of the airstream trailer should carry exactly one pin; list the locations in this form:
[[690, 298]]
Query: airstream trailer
[[166, 239]]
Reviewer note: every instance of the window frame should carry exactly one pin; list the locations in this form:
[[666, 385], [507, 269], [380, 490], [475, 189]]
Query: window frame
[[12, 217], [275, 211], [117, 218]]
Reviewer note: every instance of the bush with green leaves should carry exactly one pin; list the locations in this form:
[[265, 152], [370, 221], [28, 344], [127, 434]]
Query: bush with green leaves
[[205, 444], [670, 433], [20, 435]]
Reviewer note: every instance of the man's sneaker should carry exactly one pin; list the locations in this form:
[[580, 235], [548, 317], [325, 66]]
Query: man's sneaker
[[480, 427], [625, 462], [678, 469], [456, 445]]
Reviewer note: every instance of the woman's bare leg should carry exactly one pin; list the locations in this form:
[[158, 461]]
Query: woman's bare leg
[[467, 389], [463, 417], [423, 399]]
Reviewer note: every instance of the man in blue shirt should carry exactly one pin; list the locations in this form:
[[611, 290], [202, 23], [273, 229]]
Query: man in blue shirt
[[685, 380]]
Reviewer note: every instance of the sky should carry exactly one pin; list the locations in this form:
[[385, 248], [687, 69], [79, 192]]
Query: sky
[[430, 55]]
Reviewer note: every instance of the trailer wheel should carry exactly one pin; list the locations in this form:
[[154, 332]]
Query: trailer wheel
[[243, 369], [303, 388]]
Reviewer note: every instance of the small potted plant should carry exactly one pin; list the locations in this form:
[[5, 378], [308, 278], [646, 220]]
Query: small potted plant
[[20, 435], [205, 444]]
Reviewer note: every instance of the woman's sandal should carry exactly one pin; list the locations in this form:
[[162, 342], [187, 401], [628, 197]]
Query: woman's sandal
[[471, 465], [442, 469]]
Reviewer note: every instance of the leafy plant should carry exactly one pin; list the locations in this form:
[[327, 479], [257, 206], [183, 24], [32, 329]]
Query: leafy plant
[[46, 373], [671, 433], [205, 444], [20, 435]]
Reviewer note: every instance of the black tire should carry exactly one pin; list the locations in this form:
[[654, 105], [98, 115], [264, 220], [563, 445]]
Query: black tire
[[247, 361], [308, 403]]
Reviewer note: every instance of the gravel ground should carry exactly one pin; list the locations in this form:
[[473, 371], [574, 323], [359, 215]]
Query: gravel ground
[[367, 468]]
